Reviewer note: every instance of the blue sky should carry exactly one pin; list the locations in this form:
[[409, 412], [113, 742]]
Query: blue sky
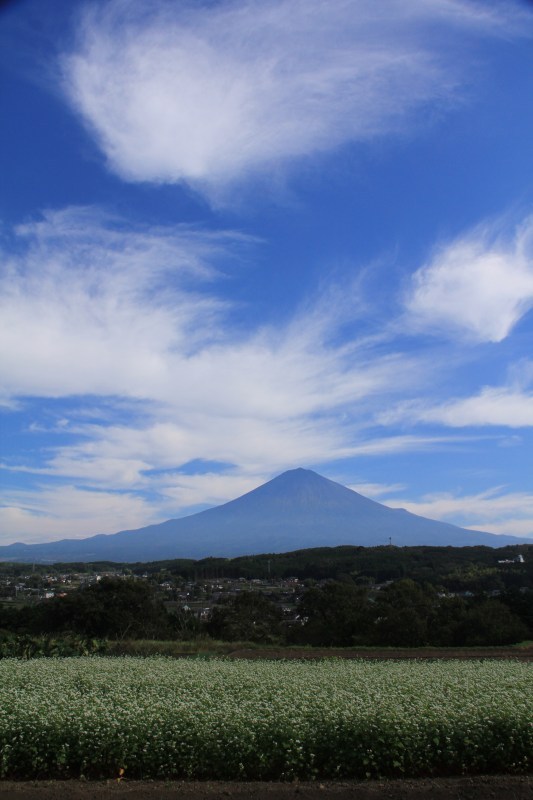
[[242, 237]]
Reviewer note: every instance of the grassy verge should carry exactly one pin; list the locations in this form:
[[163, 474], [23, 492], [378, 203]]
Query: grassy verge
[[176, 649], [211, 647], [25, 646]]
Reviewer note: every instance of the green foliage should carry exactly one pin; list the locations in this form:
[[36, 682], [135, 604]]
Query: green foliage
[[336, 614], [490, 621], [257, 720], [113, 608], [354, 607], [176, 649], [455, 568], [406, 614], [25, 646], [249, 616]]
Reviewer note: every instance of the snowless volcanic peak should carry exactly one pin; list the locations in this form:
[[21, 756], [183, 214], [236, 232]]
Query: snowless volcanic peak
[[298, 488], [296, 510]]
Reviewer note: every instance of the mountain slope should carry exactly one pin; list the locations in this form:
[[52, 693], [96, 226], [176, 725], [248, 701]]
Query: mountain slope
[[296, 510]]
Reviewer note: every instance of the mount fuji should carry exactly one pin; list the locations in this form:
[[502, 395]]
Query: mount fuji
[[296, 510]]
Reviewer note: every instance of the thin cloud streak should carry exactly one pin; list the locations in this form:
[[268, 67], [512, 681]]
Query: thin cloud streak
[[494, 510], [59, 512], [376, 490], [493, 406]]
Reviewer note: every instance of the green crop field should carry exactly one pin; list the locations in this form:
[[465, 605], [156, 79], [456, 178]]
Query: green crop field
[[217, 719]]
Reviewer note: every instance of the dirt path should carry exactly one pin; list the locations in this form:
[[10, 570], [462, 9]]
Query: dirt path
[[494, 787], [387, 653]]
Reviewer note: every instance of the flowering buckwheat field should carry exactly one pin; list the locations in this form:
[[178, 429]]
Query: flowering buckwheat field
[[160, 718]]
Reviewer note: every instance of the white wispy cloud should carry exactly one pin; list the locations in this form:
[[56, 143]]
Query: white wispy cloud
[[494, 510], [375, 490], [479, 285], [48, 513], [212, 93], [125, 456], [89, 307], [492, 406], [209, 488]]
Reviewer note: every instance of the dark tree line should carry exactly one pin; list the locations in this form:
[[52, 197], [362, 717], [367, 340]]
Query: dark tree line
[[334, 613], [456, 569], [404, 614], [110, 609], [407, 614], [475, 569]]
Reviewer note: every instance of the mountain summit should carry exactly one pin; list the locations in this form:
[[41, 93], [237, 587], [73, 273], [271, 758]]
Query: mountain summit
[[296, 510]]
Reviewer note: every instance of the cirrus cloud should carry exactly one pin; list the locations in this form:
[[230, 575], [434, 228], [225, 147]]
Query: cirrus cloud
[[67, 511], [492, 406], [494, 510], [208, 94]]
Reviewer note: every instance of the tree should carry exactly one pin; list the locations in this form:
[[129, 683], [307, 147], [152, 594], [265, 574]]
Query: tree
[[404, 611], [113, 608], [449, 616], [490, 623], [249, 616], [335, 614], [521, 604]]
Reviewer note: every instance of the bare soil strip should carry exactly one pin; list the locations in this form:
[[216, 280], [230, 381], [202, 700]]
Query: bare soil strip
[[517, 653], [494, 787]]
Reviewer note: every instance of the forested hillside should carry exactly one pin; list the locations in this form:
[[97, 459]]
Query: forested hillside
[[347, 596]]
